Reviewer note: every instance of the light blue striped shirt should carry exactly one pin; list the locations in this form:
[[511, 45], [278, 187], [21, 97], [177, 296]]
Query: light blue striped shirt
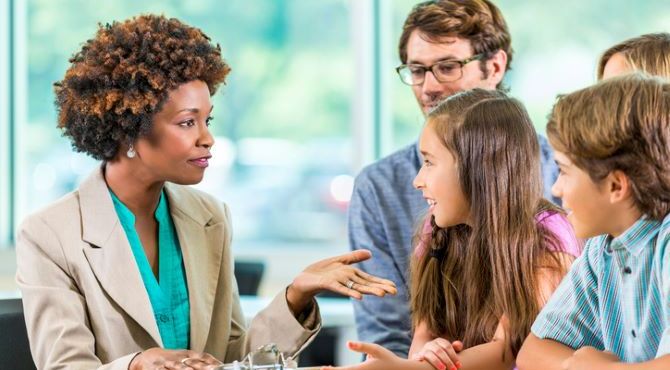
[[616, 296]]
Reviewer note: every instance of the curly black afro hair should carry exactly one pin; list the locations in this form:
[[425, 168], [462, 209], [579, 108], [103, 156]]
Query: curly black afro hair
[[122, 77]]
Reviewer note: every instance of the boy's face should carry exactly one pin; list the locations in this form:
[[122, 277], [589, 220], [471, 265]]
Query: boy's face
[[426, 53], [587, 203]]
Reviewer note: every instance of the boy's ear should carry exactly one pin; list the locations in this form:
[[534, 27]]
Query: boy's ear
[[619, 186]]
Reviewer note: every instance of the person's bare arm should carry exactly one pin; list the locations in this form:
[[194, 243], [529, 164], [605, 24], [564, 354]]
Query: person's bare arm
[[421, 336], [587, 358], [537, 353], [661, 363], [493, 355], [438, 352], [544, 354], [483, 357], [442, 354]]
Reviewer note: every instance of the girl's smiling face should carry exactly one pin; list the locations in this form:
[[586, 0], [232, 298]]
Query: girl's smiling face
[[439, 181]]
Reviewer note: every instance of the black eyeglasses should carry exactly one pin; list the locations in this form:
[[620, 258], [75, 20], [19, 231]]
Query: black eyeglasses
[[444, 71]]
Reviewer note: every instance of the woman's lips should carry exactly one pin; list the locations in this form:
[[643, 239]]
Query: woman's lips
[[200, 162]]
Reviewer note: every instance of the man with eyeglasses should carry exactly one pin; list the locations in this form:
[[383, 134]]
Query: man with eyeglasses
[[446, 46]]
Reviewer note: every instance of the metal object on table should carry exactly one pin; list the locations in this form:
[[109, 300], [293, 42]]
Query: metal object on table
[[267, 357]]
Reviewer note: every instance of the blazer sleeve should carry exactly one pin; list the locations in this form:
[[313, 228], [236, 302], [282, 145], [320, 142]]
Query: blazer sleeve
[[274, 324], [54, 308]]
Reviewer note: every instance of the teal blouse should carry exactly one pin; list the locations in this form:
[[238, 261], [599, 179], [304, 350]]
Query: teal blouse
[[168, 293]]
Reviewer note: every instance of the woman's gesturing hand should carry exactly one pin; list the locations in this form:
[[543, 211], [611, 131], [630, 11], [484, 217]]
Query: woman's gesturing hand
[[337, 275]]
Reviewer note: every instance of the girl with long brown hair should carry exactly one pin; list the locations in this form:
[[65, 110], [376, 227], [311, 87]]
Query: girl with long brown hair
[[495, 250]]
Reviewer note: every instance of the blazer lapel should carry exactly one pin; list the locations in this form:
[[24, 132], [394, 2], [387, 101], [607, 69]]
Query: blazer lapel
[[110, 256], [202, 244]]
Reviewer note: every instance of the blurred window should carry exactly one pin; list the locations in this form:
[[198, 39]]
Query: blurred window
[[282, 158]]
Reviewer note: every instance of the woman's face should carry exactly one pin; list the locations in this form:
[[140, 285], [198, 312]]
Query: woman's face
[[178, 147]]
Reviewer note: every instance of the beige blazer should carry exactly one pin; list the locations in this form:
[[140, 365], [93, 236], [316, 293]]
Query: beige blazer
[[84, 300]]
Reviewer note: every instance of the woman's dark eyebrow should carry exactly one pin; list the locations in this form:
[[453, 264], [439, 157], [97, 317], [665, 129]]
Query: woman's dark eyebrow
[[193, 110]]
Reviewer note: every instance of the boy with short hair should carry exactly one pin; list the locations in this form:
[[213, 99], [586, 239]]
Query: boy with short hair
[[612, 310]]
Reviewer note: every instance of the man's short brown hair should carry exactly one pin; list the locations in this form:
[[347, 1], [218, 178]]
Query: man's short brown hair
[[648, 53], [622, 123], [478, 21]]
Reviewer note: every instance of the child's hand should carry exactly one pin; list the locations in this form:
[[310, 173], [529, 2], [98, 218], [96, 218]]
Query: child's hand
[[588, 358], [440, 353], [378, 358]]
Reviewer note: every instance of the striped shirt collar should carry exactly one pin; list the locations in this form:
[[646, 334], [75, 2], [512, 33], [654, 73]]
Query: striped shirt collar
[[636, 237]]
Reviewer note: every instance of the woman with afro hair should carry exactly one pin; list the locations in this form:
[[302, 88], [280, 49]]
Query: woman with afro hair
[[133, 270]]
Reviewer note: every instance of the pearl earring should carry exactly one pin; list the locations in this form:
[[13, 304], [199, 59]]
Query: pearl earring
[[131, 152]]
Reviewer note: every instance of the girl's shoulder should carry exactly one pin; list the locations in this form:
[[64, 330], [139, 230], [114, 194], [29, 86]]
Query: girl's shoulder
[[557, 223]]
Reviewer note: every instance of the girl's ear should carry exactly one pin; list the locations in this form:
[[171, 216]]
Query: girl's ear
[[619, 187]]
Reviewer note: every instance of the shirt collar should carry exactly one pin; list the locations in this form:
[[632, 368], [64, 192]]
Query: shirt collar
[[162, 212], [127, 217], [636, 237]]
